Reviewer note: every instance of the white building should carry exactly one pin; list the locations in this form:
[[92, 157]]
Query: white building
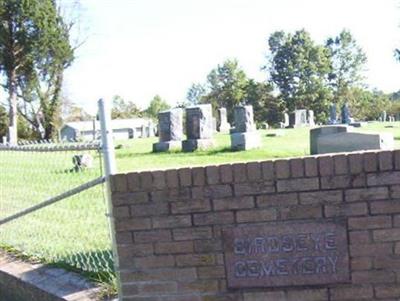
[[122, 129]]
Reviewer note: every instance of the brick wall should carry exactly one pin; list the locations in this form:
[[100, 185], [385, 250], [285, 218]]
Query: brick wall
[[169, 224]]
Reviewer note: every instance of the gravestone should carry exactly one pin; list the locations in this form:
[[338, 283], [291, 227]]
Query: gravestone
[[82, 162], [285, 122], [299, 118], [332, 114], [244, 136], [199, 128], [345, 112], [310, 118], [170, 130], [383, 116], [223, 124], [333, 139]]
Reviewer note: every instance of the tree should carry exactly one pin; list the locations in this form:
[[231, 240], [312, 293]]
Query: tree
[[227, 85], [195, 94], [347, 62], [299, 69], [34, 51], [3, 122], [266, 107], [124, 109], [157, 105]]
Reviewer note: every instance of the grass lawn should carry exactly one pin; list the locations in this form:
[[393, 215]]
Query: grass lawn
[[137, 154], [74, 232]]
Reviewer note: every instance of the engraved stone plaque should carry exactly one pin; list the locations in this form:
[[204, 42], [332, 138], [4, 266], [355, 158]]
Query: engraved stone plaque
[[287, 254]]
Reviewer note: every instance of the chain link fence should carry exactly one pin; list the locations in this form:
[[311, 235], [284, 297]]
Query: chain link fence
[[72, 233]]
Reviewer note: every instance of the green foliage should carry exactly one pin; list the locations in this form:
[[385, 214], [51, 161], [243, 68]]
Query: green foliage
[[156, 106], [34, 51], [195, 93], [347, 62], [3, 122], [124, 109], [227, 87], [299, 68], [367, 105]]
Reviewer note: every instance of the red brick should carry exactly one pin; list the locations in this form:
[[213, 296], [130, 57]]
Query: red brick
[[154, 262], [385, 160], [386, 262], [391, 291], [119, 183], [214, 272], [136, 250], [383, 178], [300, 184], [214, 218], [311, 167], [373, 276], [297, 168], [190, 206], [257, 215], [383, 207], [208, 246], [172, 221], [192, 260], [335, 182], [192, 233], [371, 249], [301, 212], [341, 165], [283, 199], [253, 188], [160, 287], [268, 170], [367, 194], [326, 167], [199, 286], [396, 155], [239, 172], [253, 171], [218, 191], [370, 162], [355, 163], [226, 173], [172, 178], [126, 198], [199, 177], [171, 194], [386, 235], [212, 175], [149, 209], [121, 212], [264, 296], [175, 247], [308, 295], [371, 222], [396, 221], [282, 169], [346, 209], [351, 293], [359, 237], [124, 237], [185, 177], [395, 192], [163, 274], [133, 180], [361, 263], [133, 224], [397, 248], [321, 197], [152, 236], [159, 179], [146, 180], [359, 180], [234, 203]]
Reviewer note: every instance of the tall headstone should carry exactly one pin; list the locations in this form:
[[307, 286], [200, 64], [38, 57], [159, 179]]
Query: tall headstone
[[170, 130], [384, 116], [199, 128], [332, 114], [223, 124], [346, 114], [298, 119], [310, 118], [244, 135]]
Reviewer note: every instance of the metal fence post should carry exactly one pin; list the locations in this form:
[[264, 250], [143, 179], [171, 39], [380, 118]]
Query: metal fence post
[[109, 169]]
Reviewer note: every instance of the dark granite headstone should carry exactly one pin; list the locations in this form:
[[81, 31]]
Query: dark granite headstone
[[346, 114], [170, 130]]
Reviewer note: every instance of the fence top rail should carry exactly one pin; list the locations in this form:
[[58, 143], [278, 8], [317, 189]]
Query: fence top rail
[[51, 147]]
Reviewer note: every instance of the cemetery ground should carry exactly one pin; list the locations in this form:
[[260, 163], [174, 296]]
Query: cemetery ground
[[77, 227]]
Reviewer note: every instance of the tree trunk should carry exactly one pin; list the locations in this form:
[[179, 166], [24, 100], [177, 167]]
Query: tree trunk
[[13, 114]]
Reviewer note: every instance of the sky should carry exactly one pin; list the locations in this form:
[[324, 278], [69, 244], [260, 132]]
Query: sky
[[140, 48]]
